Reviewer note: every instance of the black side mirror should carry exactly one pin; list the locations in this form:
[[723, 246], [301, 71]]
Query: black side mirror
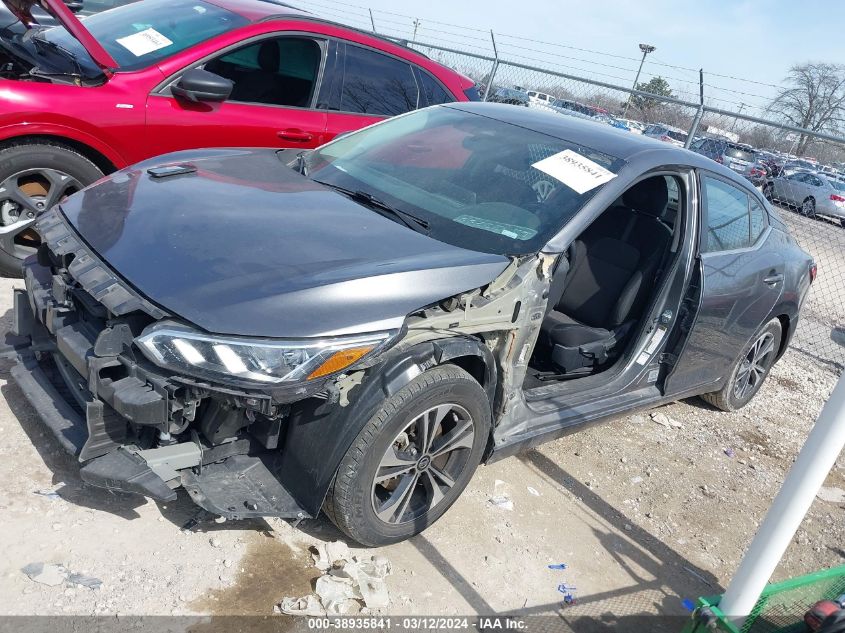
[[201, 85]]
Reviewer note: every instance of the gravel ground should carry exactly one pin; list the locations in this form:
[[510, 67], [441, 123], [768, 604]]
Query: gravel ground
[[643, 511]]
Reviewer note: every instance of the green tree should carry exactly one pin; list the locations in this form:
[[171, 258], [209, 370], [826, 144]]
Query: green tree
[[656, 86]]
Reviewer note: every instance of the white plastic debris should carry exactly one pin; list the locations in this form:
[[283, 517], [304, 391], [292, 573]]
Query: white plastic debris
[[308, 605], [326, 554], [664, 420], [349, 585], [832, 495], [533, 491], [501, 497], [49, 574]]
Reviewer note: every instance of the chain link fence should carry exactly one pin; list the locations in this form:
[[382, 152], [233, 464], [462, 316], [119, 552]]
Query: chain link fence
[[820, 232]]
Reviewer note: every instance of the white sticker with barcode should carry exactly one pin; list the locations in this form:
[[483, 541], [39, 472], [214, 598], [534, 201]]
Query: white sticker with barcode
[[575, 171], [144, 42]]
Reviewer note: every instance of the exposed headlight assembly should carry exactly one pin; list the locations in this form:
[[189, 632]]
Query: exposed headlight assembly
[[257, 361]]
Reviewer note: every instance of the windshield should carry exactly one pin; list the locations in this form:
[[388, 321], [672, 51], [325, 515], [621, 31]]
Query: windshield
[[477, 182], [140, 34], [837, 184]]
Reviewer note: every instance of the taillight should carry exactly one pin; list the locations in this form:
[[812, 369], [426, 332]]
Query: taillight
[[665, 138], [813, 272], [756, 172], [719, 160], [837, 198]]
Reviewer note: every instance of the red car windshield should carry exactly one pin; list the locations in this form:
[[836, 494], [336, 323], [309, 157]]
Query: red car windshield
[[141, 34]]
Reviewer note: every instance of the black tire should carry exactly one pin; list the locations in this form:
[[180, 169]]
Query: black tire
[[729, 398], [36, 156], [808, 208], [350, 503]]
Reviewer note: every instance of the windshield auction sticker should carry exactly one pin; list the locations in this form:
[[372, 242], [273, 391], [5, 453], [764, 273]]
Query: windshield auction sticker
[[575, 171], [144, 42]]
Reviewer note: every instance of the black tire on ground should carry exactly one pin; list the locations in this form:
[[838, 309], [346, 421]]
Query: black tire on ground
[[42, 155], [731, 397], [349, 503]]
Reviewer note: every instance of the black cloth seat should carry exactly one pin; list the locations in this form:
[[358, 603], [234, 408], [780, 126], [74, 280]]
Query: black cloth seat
[[613, 266], [262, 85]]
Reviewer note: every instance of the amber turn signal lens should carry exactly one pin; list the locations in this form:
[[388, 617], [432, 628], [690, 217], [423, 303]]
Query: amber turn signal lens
[[339, 360]]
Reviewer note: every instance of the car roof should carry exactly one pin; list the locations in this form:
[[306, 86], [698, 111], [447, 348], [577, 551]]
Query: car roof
[[262, 10], [597, 136]]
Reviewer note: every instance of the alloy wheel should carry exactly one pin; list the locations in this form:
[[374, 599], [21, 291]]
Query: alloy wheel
[[752, 370], [422, 463], [22, 197]]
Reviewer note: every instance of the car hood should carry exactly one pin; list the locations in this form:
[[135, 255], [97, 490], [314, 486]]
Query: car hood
[[22, 9], [246, 246]]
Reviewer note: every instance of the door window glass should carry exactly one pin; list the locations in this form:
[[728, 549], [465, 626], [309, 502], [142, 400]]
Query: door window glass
[[280, 71], [374, 83], [759, 220], [728, 220], [433, 91]]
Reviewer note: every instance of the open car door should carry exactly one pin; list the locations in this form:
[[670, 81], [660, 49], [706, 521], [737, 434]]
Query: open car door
[[22, 9]]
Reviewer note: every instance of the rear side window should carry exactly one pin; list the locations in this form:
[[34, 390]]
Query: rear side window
[[377, 84], [472, 94], [732, 221], [432, 91]]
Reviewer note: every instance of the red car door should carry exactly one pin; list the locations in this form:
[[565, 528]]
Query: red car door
[[272, 104]]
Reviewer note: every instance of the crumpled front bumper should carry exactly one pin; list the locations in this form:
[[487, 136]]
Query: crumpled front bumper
[[86, 386]]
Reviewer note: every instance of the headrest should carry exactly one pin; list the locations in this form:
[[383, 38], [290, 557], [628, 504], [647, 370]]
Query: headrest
[[268, 56], [649, 196]]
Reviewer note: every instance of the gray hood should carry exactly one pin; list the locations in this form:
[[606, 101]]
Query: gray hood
[[246, 246]]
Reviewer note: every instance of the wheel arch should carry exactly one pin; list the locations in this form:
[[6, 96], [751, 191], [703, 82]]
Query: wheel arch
[[104, 158], [320, 431]]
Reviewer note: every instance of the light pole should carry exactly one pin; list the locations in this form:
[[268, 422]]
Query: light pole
[[646, 49]]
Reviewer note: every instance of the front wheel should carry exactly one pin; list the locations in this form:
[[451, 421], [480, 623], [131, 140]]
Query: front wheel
[[34, 177], [413, 458], [750, 369]]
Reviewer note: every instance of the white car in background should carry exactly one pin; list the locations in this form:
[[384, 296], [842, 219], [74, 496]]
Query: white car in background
[[540, 99], [637, 127]]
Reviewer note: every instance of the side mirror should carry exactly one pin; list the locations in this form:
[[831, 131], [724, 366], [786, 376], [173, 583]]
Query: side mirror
[[198, 85]]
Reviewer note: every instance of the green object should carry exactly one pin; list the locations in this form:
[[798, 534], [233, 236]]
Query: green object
[[781, 606]]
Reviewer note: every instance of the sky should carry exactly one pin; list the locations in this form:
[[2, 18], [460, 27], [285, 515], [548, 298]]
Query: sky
[[752, 41]]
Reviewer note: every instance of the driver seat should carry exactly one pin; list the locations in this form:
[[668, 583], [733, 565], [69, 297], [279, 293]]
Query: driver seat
[[613, 267]]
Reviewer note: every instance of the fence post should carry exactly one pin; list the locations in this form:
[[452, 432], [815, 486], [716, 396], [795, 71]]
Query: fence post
[[700, 113], [494, 69]]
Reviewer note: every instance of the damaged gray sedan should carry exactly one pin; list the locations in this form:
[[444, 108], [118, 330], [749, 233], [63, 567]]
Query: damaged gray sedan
[[355, 329]]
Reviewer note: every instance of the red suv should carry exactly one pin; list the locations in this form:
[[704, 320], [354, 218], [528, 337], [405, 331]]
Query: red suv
[[85, 98]]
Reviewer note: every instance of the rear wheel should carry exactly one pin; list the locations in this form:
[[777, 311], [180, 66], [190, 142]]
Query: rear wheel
[[34, 177], [808, 208], [750, 369], [412, 459]]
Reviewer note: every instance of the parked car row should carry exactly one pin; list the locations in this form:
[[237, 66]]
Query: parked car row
[[811, 193], [164, 75]]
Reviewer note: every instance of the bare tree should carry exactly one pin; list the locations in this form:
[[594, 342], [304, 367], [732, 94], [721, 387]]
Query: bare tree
[[814, 99]]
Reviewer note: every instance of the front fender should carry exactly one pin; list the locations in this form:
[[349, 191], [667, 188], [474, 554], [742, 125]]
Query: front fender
[[320, 432], [22, 130]]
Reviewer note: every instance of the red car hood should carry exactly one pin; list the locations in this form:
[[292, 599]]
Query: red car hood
[[57, 8]]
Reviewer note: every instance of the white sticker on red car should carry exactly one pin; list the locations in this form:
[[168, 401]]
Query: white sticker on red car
[[575, 171], [144, 42]]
